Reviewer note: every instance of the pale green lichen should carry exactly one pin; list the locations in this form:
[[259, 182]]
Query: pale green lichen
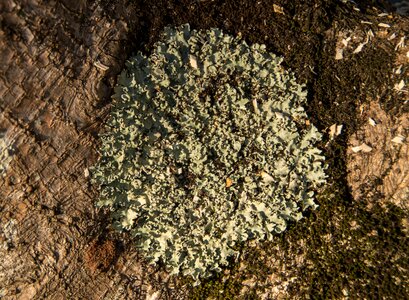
[[206, 147]]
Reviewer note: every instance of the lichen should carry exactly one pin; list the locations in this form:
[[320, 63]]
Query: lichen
[[207, 146]]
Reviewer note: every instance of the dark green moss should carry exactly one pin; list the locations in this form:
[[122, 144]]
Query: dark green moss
[[216, 288]]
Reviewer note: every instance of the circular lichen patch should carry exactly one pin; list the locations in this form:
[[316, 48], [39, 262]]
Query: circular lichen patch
[[207, 146]]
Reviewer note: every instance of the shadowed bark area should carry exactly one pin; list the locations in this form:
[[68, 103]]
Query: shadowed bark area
[[59, 62]]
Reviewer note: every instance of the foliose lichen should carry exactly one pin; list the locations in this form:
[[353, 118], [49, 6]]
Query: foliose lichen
[[208, 145]]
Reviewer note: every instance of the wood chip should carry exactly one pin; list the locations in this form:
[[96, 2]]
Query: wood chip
[[345, 41], [384, 25], [278, 9], [401, 43], [339, 129], [338, 54], [101, 66], [335, 130], [399, 139], [363, 147], [399, 86], [359, 48], [372, 121]]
